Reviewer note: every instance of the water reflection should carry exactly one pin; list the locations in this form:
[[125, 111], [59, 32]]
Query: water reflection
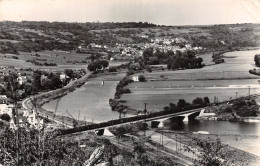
[[214, 127]]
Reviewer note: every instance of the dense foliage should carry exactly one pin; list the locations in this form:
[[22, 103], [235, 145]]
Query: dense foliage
[[98, 65], [209, 152], [257, 60], [183, 105], [245, 108], [178, 60], [218, 57]]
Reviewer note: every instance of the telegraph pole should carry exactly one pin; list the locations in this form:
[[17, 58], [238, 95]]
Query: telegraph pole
[[249, 91], [145, 112]]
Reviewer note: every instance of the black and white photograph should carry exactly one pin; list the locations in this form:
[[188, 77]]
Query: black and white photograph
[[129, 82]]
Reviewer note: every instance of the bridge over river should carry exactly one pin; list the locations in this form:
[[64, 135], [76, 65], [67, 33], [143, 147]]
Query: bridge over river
[[155, 118]]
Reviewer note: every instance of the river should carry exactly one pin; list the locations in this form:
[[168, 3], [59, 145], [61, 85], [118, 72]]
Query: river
[[90, 102], [242, 135]]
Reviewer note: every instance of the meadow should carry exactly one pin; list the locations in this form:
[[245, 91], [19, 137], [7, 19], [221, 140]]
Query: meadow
[[63, 59], [224, 81], [159, 95]]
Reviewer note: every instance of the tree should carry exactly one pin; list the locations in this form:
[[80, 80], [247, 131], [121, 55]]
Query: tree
[[110, 150], [126, 156], [37, 81], [120, 131], [153, 61], [27, 89], [198, 101], [56, 82], [139, 150], [166, 108], [69, 72], [147, 54], [94, 66], [6, 117], [182, 103], [103, 63], [173, 107], [141, 78], [209, 152], [112, 69], [148, 68], [206, 100]]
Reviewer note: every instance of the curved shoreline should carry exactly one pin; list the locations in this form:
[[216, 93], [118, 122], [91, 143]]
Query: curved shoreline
[[46, 97]]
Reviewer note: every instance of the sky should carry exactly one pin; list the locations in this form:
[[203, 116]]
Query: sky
[[161, 12]]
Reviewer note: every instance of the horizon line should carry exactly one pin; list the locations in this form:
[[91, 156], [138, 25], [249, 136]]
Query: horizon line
[[70, 22]]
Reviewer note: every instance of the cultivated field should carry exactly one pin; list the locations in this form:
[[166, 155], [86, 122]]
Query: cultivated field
[[64, 60], [223, 81]]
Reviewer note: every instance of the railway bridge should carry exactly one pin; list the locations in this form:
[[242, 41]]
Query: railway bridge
[[156, 120]]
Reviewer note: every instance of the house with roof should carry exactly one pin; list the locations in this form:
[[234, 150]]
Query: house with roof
[[20, 121], [5, 108], [21, 79], [32, 119], [63, 77], [135, 78], [28, 119]]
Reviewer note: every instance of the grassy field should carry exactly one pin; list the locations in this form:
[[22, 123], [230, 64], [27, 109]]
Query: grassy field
[[156, 99], [64, 60], [236, 66], [222, 81], [58, 57]]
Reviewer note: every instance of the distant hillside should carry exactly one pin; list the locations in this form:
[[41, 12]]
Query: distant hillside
[[28, 36]]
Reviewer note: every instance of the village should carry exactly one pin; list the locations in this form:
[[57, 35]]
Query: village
[[128, 51]]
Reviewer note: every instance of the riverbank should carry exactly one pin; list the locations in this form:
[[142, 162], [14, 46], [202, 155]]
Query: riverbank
[[242, 109], [183, 139], [90, 102], [46, 97]]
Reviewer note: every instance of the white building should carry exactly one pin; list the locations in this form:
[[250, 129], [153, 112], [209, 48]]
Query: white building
[[29, 118], [32, 119], [63, 77], [21, 79], [5, 108], [135, 78]]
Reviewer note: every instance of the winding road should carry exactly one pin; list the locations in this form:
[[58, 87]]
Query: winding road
[[26, 103]]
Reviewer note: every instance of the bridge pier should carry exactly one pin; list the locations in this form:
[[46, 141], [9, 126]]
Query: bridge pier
[[157, 123], [104, 132], [193, 116]]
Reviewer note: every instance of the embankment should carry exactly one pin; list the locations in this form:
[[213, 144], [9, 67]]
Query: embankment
[[45, 97]]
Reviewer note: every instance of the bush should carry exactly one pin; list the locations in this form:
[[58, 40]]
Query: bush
[[141, 78], [148, 69], [6, 117], [112, 69]]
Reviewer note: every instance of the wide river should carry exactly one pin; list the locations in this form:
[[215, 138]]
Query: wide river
[[90, 102]]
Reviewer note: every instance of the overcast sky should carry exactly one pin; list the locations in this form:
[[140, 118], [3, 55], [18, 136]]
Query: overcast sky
[[162, 12]]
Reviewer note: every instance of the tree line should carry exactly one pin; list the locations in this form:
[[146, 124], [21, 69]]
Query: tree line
[[174, 61], [198, 102]]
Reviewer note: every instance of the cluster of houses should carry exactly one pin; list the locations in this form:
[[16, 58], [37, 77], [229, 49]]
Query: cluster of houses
[[136, 49], [28, 118]]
